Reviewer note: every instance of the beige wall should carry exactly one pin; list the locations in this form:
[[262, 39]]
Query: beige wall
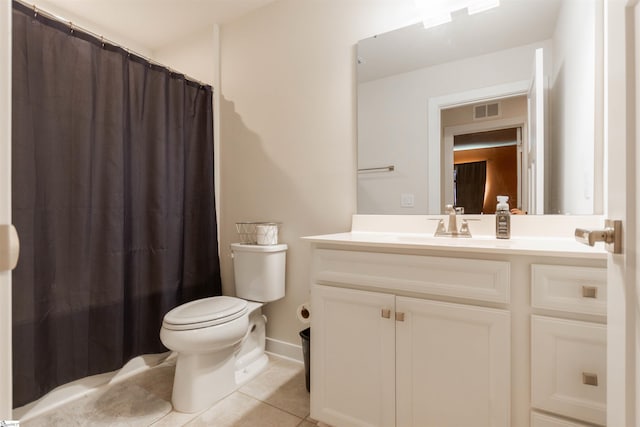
[[288, 129]]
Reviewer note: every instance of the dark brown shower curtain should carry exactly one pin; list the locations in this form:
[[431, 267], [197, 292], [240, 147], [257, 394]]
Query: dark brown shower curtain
[[471, 180], [113, 200]]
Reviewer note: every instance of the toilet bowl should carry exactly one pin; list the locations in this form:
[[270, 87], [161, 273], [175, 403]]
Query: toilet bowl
[[220, 341]]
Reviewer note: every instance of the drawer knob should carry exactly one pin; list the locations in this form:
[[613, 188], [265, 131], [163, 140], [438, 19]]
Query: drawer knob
[[399, 316], [589, 379], [386, 313], [589, 292]]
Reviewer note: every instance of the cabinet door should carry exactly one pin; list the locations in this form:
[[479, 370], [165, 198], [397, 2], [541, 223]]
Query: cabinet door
[[453, 365], [546, 420], [569, 368], [352, 357]]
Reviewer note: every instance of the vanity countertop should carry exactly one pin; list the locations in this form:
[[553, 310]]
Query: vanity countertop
[[543, 235], [546, 246]]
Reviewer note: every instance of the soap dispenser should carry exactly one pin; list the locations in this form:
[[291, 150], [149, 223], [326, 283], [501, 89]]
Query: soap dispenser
[[503, 218]]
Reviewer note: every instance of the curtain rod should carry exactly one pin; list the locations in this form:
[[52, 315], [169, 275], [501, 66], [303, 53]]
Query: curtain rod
[[73, 28]]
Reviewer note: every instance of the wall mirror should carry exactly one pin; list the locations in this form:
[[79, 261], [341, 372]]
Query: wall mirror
[[507, 101]]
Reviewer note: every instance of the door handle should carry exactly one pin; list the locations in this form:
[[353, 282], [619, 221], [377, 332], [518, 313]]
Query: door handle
[[9, 247], [611, 236]]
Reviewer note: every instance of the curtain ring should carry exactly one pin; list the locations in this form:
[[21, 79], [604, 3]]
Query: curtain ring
[[102, 41], [71, 30], [35, 11]]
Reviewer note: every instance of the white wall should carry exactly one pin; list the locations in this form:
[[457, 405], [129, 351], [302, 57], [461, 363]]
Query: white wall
[[194, 55], [289, 128], [573, 114], [395, 109]]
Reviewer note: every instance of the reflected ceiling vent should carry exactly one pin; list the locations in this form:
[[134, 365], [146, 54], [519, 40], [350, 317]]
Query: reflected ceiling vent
[[486, 111]]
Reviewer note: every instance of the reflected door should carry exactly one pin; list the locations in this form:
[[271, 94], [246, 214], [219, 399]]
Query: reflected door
[[537, 129]]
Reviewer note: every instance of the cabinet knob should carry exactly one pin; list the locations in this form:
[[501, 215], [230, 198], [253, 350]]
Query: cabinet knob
[[589, 379], [399, 316], [386, 313], [589, 292]]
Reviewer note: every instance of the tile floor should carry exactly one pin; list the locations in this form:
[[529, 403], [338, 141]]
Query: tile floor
[[276, 397]]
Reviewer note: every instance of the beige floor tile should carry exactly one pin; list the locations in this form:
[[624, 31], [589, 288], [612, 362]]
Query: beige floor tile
[[175, 419], [240, 410], [281, 385], [308, 423]]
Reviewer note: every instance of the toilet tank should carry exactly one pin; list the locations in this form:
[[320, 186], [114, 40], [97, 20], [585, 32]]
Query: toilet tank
[[259, 271]]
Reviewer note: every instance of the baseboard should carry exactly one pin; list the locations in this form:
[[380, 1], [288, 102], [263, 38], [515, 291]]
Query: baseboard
[[284, 349]]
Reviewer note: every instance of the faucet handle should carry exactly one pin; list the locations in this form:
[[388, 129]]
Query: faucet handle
[[464, 228]]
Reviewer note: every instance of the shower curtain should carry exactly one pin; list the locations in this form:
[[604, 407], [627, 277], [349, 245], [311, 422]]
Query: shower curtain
[[113, 200], [470, 184]]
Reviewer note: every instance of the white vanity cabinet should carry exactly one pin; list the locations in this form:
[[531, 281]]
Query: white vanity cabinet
[[421, 332], [568, 356], [384, 359], [452, 364], [353, 357]]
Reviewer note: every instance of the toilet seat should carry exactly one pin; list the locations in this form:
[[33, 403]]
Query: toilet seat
[[204, 313]]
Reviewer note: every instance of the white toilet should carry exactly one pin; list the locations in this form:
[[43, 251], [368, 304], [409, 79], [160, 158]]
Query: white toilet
[[220, 341]]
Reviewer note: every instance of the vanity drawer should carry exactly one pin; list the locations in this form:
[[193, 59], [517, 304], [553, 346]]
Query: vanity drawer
[[474, 279], [545, 420], [568, 368], [569, 288]]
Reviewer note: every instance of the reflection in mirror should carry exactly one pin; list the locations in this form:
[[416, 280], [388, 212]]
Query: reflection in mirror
[[489, 132], [530, 67]]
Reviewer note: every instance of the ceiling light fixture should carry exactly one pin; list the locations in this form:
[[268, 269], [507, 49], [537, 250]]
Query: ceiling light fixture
[[438, 12], [478, 6]]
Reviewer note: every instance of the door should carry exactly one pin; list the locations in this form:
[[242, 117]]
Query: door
[[453, 365], [537, 129], [353, 381], [622, 108], [5, 206]]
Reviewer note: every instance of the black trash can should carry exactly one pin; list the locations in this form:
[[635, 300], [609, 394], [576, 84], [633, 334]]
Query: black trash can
[[306, 353]]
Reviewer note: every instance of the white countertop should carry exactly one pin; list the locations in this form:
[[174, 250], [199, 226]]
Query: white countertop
[[545, 246], [543, 235]]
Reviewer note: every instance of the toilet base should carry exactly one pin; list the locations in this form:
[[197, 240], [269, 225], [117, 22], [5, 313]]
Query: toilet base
[[203, 379], [252, 370]]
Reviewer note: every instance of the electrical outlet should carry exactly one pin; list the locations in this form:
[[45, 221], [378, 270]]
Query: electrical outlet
[[406, 200]]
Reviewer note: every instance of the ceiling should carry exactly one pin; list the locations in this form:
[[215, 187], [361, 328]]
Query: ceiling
[[151, 23], [514, 23]]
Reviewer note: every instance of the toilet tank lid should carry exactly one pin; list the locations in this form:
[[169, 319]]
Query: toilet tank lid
[[242, 247]]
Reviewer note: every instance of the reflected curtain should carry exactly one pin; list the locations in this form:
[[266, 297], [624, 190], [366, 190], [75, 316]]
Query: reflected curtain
[[471, 179], [113, 198]]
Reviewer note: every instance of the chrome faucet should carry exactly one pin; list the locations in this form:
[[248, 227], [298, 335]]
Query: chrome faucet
[[451, 230]]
